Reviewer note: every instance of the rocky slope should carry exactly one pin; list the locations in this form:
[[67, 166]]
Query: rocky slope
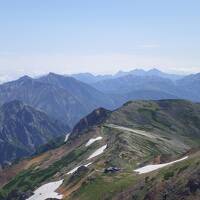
[[95, 118], [23, 129]]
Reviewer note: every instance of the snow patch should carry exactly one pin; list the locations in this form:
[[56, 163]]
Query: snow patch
[[150, 168], [92, 140], [136, 131], [97, 152], [47, 191], [66, 137], [76, 168]]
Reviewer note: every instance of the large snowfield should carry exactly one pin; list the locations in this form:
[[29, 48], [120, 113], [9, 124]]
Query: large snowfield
[[47, 191]]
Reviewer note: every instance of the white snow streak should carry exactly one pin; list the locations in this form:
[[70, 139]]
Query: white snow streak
[[150, 168], [97, 152], [47, 191], [139, 132], [76, 168], [66, 137], [92, 140]]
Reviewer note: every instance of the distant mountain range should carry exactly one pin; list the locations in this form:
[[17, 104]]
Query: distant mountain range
[[62, 98], [90, 78], [152, 86], [129, 83], [23, 129], [140, 84], [151, 72], [68, 100]]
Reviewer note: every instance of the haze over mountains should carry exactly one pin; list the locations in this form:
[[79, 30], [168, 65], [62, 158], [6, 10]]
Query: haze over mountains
[[62, 98], [152, 84], [90, 78], [68, 100]]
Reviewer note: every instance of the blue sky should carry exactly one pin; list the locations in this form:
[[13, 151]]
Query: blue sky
[[69, 36]]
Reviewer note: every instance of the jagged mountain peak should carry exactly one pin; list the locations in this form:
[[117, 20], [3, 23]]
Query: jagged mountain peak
[[93, 119], [51, 75], [155, 70], [24, 79], [62, 81], [24, 128]]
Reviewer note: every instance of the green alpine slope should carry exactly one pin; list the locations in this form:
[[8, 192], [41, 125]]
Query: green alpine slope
[[137, 134]]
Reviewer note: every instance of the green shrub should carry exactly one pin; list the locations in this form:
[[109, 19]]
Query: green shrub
[[168, 175]]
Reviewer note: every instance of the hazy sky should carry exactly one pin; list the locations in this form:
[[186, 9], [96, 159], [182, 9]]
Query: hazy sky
[[100, 36]]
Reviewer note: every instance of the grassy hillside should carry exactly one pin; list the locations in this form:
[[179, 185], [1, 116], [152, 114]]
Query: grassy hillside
[[137, 134]]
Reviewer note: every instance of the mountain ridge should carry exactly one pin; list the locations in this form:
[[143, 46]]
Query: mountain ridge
[[185, 88], [62, 98], [137, 134], [23, 129], [90, 78]]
